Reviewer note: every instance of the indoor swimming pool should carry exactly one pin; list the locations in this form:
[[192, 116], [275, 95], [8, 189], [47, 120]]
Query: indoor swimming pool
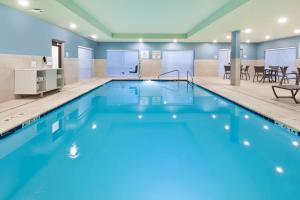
[[150, 140]]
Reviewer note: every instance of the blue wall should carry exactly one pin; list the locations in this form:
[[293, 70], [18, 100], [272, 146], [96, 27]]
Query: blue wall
[[202, 50], [27, 35], [280, 43]]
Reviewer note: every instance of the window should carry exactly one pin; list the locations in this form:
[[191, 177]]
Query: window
[[85, 57], [122, 62], [178, 60], [281, 57]]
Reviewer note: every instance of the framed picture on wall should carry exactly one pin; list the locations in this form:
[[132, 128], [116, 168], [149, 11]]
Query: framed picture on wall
[[156, 55], [144, 54]]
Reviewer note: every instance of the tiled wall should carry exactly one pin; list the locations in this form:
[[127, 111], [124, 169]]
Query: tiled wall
[[71, 70], [150, 68]]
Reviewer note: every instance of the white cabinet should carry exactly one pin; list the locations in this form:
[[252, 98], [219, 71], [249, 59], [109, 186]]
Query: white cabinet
[[38, 80]]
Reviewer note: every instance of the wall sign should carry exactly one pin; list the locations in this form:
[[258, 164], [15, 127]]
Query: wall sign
[[156, 55], [144, 54]]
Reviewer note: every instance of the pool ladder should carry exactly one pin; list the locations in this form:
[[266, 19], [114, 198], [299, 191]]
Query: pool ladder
[[188, 75], [178, 74]]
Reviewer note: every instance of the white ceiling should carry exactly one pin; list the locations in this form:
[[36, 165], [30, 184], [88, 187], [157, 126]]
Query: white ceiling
[[259, 15]]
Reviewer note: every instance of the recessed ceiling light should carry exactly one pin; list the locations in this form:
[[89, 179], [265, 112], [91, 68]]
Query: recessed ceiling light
[[73, 26], [94, 36], [24, 3], [228, 37], [282, 20], [248, 41], [174, 40], [297, 31], [267, 37], [248, 30], [215, 41], [140, 40]]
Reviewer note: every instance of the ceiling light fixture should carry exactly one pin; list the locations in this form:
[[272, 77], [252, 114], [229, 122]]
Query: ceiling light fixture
[[248, 30], [24, 3], [297, 31], [73, 26], [282, 20]]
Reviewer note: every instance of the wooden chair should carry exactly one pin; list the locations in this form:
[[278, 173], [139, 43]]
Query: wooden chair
[[294, 89], [227, 71]]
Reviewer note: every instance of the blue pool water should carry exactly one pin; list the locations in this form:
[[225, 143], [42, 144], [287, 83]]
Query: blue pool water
[[148, 140]]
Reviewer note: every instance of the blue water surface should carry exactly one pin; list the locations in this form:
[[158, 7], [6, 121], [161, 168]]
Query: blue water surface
[[150, 140]]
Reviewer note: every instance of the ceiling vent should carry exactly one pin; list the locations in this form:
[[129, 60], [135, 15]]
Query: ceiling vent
[[38, 10]]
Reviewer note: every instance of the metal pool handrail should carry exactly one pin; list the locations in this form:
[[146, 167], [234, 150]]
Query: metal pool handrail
[[189, 75], [178, 74]]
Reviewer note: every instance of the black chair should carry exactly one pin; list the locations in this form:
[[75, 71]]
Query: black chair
[[245, 72], [135, 70], [227, 71]]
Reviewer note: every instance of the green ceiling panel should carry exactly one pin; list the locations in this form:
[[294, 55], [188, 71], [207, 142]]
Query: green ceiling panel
[[149, 36], [225, 9]]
